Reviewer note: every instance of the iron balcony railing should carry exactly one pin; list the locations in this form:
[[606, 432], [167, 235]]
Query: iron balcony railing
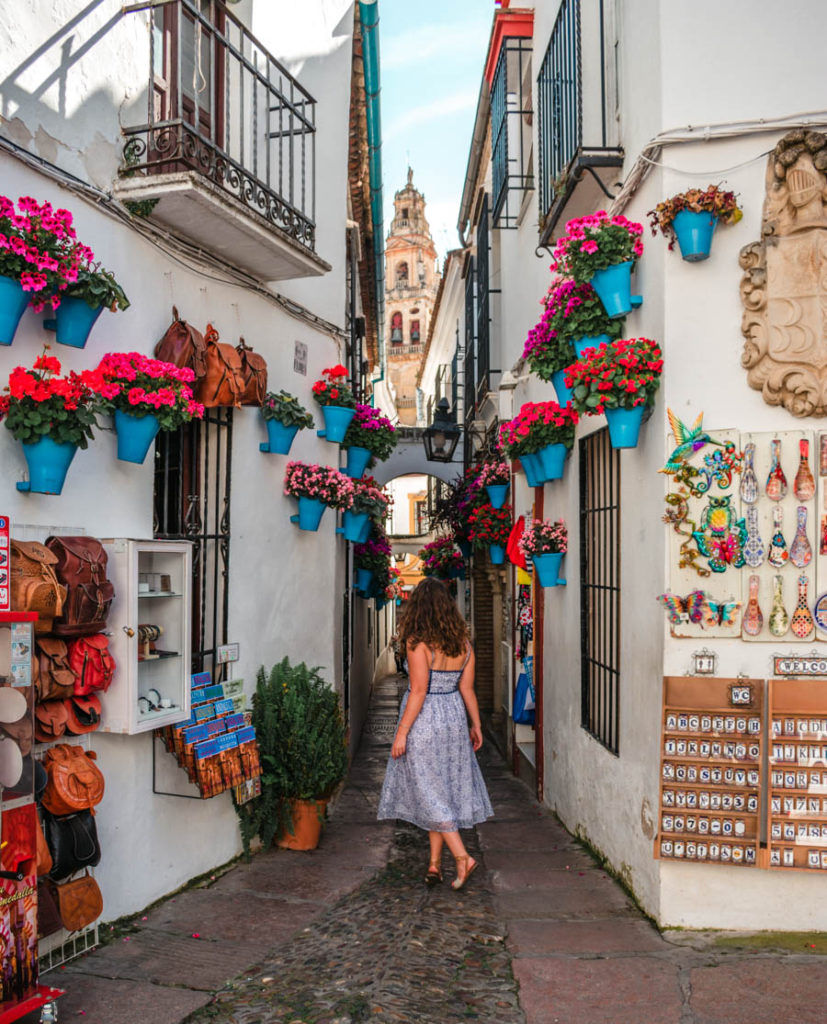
[[404, 350], [221, 105], [511, 131]]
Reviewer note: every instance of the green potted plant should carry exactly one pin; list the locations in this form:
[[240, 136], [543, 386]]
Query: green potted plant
[[284, 417], [316, 488], [541, 436], [83, 302], [371, 560], [301, 739], [545, 543], [442, 559], [495, 477], [333, 393], [689, 218], [369, 507], [370, 435], [489, 527]]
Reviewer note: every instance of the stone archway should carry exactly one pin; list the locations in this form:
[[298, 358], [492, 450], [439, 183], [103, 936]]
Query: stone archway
[[408, 458]]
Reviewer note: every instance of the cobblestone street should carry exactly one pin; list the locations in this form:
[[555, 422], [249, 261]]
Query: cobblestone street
[[350, 933]]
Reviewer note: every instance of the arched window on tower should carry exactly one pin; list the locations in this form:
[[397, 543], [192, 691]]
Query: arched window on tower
[[402, 274], [396, 329], [414, 332]]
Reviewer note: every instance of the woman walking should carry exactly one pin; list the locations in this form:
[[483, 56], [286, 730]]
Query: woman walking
[[433, 779]]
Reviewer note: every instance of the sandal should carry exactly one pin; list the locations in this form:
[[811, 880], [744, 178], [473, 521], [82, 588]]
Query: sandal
[[434, 874], [458, 883]]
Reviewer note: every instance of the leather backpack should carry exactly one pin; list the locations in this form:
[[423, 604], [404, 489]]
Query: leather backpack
[[92, 664], [223, 383], [81, 567], [254, 372], [75, 781], [52, 677], [34, 584], [183, 346]]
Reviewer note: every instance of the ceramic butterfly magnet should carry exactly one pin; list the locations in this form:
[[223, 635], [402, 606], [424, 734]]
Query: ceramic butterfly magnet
[[723, 614], [683, 609]]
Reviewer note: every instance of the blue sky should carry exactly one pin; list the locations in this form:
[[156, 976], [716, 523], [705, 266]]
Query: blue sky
[[432, 54]]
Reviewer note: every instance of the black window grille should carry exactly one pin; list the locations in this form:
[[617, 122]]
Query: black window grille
[[455, 378], [469, 382], [192, 502], [600, 588], [483, 303], [511, 131], [560, 103]]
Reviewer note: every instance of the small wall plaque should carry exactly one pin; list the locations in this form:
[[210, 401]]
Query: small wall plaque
[[300, 358], [800, 665], [704, 662]]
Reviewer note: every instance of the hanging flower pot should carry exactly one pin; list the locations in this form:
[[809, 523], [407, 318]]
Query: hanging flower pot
[[547, 567], [279, 438], [532, 469], [13, 302], [564, 394], [334, 395], [357, 461], [553, 461], [624, 426], [614, 289], [284, 417], [336, 421], [694, 233], [73, 321], [380, 603], [310, 514], [465, 548], [364, 579], [496, 552], [354, 525], [48, 464], [593, 341], [364, 535], [135, 435], [497, 494]]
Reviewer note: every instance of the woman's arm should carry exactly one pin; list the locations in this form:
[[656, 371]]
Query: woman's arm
[[466, 689], [419, 669]]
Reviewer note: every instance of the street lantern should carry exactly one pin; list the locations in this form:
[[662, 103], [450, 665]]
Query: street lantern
[[442, 437]]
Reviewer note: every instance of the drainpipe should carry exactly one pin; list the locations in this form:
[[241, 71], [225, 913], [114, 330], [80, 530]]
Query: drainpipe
[[369, 17]]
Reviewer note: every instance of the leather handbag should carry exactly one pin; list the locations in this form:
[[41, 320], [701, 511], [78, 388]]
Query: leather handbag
[[254, 372], [72, 840], [83, 714], [52, 676], [50, 720], [48, 915], [79, 902], [183, 346], [91, 663], [75, 781], [43, 857], [223, 382], [34, 584], [81, 567]]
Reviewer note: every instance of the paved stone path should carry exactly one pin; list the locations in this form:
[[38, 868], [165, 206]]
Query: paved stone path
[[349, 933]]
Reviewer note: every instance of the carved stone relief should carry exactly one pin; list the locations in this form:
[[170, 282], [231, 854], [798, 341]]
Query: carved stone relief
[[784, 287]]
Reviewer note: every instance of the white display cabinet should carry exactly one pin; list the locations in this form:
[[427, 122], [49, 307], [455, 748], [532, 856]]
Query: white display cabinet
[[149, 622]]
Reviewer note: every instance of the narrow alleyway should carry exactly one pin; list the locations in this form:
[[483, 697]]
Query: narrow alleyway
[[349, 933]]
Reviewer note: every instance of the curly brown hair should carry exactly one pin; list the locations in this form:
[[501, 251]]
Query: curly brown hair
[[432, 617]]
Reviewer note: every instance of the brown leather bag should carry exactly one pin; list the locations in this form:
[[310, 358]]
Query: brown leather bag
[[223, 382], [81, 566], [48, 915], [183, 346], [79, 902], [75, 781], [53, 677], [50, 720], [44, 855], [254, 370], [34, 585]]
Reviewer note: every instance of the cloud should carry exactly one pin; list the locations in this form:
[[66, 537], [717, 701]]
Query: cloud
[[421, 44], [430, 112]]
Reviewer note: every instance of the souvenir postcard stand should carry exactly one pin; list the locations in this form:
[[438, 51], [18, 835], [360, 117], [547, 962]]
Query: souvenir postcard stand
[[711, 763], [20, 993], [797, 788], [780, 588]]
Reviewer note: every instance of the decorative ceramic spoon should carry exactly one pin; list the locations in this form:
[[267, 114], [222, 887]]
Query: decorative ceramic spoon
[[754, 547], [802, 621], [779, 620], [778, 555], [822, 462], [801, 554], [804, 486], [749, 481], [776, 481], [753, 621]]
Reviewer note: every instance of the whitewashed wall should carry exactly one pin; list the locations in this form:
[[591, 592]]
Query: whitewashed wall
[[285, 586]]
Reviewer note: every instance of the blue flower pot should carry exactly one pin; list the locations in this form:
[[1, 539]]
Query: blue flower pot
[[624, 426], [354, 525], [279, 438], [547, 567], [553, 461], [497, 493], [465, 548], [456, 574], [73, 321], [310, 514], [357, 461], [496, 552], [532, 470], [586, 342], [694, 233], [336, 421], [48, 464], [135, 435], [13, 302], [614, 289], [564, 394], [380, 603], [364, 536], [364, 579]]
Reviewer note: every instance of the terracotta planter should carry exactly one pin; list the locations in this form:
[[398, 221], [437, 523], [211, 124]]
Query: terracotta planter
[[307, 825]]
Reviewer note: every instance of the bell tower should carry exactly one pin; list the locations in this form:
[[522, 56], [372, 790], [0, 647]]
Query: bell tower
[[411, 283]]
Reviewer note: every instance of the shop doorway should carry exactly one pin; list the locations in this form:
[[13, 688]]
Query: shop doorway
[[192, 502]]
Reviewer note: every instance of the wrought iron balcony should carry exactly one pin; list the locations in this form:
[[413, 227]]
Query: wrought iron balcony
[[226, 155]]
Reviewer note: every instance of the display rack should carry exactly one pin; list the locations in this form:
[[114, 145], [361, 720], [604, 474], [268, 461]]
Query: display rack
[[797, 789], [711, 770]]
